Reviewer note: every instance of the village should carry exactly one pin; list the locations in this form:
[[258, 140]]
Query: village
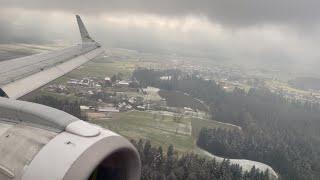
[[105, 97]]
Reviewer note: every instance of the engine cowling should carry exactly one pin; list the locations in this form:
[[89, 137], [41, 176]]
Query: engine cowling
[[57, 146]]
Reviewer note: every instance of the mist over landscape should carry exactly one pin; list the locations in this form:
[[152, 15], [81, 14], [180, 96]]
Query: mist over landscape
[[205, 89], [266, 33]]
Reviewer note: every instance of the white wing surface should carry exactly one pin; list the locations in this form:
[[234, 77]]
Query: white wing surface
[[20, 76]]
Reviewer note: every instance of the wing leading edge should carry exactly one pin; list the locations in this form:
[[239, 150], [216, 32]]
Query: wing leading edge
[[20, 76]]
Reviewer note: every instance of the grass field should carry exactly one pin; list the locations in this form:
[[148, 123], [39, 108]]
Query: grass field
[[160, 129], [285, 87], [101, 67]]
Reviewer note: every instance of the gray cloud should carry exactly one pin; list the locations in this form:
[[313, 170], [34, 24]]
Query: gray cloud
[[263, 31], [230, 12]]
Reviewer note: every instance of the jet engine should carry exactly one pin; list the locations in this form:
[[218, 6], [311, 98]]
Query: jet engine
[[40, 142]]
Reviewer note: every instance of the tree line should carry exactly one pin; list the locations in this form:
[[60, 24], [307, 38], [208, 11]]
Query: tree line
[[160, 165], [68, 106], [277, 131]]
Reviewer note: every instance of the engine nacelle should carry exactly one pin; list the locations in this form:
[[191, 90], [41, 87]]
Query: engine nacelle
[[69, 156], [58, 146]]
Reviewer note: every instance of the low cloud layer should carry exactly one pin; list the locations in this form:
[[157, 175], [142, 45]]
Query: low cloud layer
[[267, 31], [229, 12]]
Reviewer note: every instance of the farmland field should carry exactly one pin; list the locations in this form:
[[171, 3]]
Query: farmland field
[[160, 129]]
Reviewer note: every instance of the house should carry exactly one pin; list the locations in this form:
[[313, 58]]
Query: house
[[166, 78], [85, 82], [107, 109], [123, 83], [90, 92], [141, 108], [73, 82], [107, 81], [86, 108]]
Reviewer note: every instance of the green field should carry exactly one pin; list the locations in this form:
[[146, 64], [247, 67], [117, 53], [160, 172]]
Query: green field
[[286, 87], [101, 67], [160, 129]]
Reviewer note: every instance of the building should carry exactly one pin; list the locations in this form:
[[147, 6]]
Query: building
[[107, 109], [107, 81], [123, 83]]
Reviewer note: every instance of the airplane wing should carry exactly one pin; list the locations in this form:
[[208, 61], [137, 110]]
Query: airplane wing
[[19, 77], [40, 142]]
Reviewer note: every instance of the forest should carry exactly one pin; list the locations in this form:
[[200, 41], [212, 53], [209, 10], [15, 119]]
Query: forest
[[160, 165], [276, 131]]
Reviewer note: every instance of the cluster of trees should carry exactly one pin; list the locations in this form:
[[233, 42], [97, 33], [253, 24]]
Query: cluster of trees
[[179, 99], [159, 165], [71, 107], [276, 131], [287, 158], [280, 132]]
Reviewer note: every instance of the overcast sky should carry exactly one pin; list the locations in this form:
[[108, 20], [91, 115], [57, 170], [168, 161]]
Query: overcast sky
[[284, 31]]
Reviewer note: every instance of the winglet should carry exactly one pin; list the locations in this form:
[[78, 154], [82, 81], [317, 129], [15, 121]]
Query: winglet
[[83, 31]]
